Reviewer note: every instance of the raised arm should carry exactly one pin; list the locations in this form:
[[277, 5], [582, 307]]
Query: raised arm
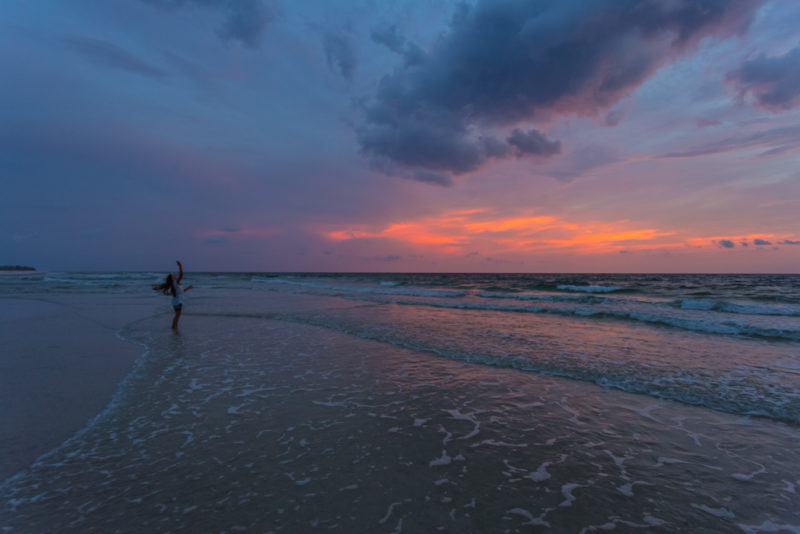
[[180, 274]]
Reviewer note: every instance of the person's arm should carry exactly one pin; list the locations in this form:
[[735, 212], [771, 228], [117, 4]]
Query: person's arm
[[180, 274], [187, 289]]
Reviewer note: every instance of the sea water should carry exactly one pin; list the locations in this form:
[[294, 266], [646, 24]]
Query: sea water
[[423, 403]]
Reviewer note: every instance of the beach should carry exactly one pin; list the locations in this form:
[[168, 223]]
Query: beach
[[286, 408], [62, 362]]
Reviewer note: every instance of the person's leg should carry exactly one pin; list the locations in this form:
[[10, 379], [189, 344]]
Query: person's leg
[[175, 319]]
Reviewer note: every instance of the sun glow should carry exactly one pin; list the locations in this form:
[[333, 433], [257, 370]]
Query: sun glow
[[464, 231], [481, 231]]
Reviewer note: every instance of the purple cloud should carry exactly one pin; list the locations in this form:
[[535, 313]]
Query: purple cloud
[[773, 81], [705, 123], [761, 242], [785, 138], [581, 159], [503, 64], [726, 243]]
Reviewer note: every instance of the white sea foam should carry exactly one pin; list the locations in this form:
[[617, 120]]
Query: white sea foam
[[444, 459], [544, 297], [566, 491], [496, 443], [540, 474], [410, 291], [717, 512], [654, 521], [770, 526], [748, 476], [741, 308], [705, 324], [589, 289], [389, 512], [536, 521], [455, 414]]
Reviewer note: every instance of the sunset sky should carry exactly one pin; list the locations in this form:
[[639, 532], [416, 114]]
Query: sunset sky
[[401, 135]]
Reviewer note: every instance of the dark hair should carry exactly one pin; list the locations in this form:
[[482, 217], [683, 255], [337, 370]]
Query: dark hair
[[167, 287]]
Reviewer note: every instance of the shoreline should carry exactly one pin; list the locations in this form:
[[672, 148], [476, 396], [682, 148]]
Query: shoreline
[[251, 422], [62, 363]]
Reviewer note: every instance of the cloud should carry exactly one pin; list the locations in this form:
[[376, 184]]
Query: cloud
[[341, 52], [786, 137], [216, 238], [705, 123], [789, 242], [726, 243], [246, 19], [389, 37], [465, 232], [773, 81], [614, 117], [504, 64], [758, 241], [110, 55], [533, 143], [581, 159], [437, 178]]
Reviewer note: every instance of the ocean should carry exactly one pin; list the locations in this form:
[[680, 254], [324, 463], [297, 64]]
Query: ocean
[[434, 403]]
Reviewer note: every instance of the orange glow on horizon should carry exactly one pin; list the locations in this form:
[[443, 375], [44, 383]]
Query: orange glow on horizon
[[475, 230]]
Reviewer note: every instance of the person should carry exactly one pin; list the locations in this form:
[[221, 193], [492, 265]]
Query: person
[[172, 286]]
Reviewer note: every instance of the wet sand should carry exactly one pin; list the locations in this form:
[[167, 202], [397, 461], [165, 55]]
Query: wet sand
[[248, 423], [60, 364]]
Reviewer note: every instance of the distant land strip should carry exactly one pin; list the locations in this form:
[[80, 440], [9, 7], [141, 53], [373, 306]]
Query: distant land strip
[[16, 268]]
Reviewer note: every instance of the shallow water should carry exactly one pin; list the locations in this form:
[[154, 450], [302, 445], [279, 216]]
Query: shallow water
[[285, 412]]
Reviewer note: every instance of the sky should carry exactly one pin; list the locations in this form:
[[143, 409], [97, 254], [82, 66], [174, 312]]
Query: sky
[[401, 135]]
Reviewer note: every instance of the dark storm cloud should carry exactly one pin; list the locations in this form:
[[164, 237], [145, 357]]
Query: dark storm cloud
[[246, 19], [726, 243], [773, 81], [505, 63], [533, 143], [110, 55], [389, 37]]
